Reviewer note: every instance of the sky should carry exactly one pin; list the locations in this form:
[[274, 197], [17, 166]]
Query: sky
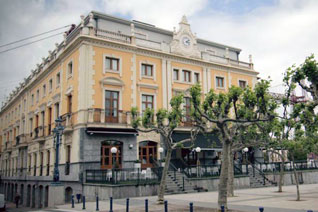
[[277, 33]]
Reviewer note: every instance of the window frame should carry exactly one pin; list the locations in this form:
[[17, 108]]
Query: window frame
[[58, 79], [145, 70], [217, 84], [196, 77], [188, 72], [70, 64], [111, 63], [142, 102], [175, 70], [120, 65], [241, 80]]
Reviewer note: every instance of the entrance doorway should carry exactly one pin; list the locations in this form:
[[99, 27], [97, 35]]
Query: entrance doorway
[[108, 159], [147, 154]]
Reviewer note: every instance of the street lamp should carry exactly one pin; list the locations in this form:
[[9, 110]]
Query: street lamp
[[113, 150], [198, 150], [57, 132], [245, 150]]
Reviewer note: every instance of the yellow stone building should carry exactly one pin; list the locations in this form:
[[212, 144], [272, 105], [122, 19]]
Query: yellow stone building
[[104, 66]]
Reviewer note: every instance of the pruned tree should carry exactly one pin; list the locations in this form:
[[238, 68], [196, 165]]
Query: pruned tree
[[228, 112], [164, 122]]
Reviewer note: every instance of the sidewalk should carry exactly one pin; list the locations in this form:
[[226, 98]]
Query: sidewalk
[[248, 200]]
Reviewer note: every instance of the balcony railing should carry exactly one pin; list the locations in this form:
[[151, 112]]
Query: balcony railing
[[113, 36], [124, 176], [97, 115]]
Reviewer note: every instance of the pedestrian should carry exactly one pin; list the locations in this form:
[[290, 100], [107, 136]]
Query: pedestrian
[[17, 199]]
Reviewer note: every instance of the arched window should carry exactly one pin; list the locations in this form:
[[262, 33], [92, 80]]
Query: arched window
[[108, 159], [147, 154]]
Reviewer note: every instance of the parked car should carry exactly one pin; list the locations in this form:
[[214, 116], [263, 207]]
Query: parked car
[[2, 203]]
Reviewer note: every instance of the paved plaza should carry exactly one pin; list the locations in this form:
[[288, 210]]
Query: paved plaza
[[246, 200]]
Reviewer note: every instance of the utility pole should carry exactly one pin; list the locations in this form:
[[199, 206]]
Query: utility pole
[[57, 131]]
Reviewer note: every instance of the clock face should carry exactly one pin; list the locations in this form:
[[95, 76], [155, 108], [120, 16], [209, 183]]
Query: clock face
[[186, 41]]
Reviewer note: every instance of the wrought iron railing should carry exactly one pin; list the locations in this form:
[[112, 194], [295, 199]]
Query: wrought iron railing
[[124, 176], [275, 166]]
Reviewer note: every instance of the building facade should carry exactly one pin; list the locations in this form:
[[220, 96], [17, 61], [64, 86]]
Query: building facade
[[104, 66]]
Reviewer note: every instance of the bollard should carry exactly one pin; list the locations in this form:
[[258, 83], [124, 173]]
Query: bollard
[[222, 208], [146, 205], [166, 205], [127, 205], [261, 209], [97, 205], [72, 201], [83, 203], [111, 204], [191, 207]]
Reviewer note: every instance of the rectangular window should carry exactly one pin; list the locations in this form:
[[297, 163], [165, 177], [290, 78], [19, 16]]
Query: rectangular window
[[112, 64], [196, 77], [147, 70], [49, 120], [147, 102], [68, 160], [24, 104], [242, 83], [187, 109], [69, 104], [220, 82], [44, 90], [57, 110], [70, 69], [175, 74], [32, 99], [37, 95], [48, 163], [111, 106], [50, 85], [58, 79], [186, 76]]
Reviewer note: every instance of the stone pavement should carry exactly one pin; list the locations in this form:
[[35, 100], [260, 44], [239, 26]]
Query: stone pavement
[[247, 200]]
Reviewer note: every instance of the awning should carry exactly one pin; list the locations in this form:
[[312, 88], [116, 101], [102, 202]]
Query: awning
[[118, 131], [204, 141]]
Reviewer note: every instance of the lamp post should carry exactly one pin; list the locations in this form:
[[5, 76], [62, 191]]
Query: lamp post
[[57, 132], [160, 152], [245, 150], [113, 150], [198, 150]]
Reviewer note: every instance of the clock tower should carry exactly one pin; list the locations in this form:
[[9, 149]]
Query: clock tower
[[184, 42]]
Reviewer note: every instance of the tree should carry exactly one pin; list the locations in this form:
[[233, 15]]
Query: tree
[[303, 118], [165, 124], [228, 113]]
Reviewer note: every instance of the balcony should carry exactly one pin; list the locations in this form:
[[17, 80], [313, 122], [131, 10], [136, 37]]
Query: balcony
[[68, 121], [97, 117], [39, 133]]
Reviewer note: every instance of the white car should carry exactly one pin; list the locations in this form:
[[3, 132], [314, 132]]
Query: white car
[[2, 203]]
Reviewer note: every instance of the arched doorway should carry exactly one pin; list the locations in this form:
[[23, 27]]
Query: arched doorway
[[40, 196], [147, 154], [33, 197], [22, 194], [46, 198], [28, 203], [68, 194], [109, 160]]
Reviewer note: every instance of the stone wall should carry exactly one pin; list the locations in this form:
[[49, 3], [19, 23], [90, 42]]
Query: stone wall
[[305, 177]]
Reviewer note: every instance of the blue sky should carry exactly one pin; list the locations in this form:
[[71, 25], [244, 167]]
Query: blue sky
[[277, 33]]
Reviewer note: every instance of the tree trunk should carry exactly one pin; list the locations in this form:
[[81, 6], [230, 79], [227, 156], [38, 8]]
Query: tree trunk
[[163, 177], [222, 198], [281, 175], [296, 179], [230, 190]]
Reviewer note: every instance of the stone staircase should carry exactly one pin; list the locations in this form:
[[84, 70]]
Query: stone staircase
[[258, 179], [175, 181]]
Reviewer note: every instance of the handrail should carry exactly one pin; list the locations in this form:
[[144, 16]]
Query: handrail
[[262, 174]]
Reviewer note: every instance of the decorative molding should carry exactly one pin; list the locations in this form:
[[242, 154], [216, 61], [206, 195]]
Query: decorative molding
[[112, 81], [146, 85], [69, 91], [184, 42]]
